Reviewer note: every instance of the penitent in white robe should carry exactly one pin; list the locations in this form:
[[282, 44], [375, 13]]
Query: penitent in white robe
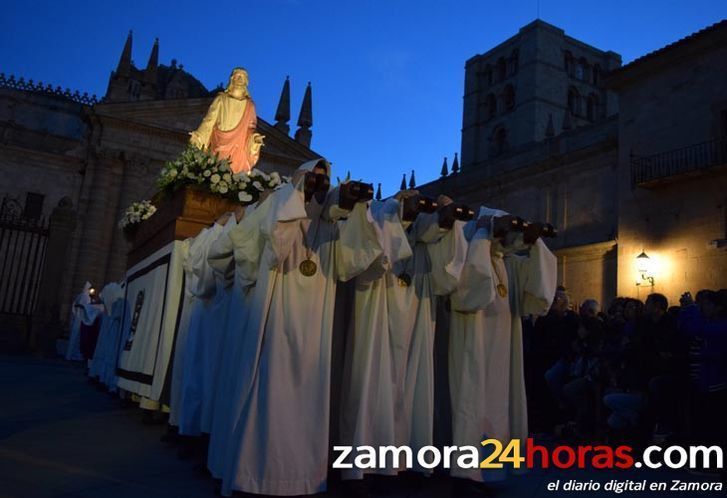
[[485, 351], [189, 251], [281, 438], [189, 413], [104, 356], [214, 327], [388, 387], [437, 263], [233, 256], [369, 389], [120, 314], [73, 352]]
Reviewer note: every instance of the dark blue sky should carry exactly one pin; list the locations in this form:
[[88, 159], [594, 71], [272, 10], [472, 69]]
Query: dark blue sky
[[387, 75]]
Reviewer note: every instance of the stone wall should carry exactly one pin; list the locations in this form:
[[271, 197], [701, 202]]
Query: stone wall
[[674, 100]]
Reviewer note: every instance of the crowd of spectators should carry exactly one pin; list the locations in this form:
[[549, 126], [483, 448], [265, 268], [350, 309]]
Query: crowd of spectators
[[637, 372]]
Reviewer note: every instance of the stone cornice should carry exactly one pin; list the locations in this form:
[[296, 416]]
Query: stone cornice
[[547, 159], [49, 157], [587, 251], [666, 58], [129, 113]]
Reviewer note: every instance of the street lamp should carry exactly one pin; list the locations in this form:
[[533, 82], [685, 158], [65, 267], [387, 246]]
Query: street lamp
[[645, 268]]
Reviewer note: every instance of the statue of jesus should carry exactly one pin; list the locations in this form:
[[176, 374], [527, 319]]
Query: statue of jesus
[[228, 129]]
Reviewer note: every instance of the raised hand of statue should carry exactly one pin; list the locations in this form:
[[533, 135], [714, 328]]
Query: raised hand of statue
[[196, 140], [257, 143]]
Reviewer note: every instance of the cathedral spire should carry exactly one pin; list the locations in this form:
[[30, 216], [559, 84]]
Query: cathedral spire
[[403, 183], [150, 74], [305, 119], [455, 164], [124, 67], [412, 181], [378, 192], [282, 114], [445, 170]]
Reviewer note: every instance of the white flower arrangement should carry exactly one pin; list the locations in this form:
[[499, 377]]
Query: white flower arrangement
[[136, 213], [197, 167]]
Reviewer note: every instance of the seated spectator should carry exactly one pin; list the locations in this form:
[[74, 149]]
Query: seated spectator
[[664, 357], [632, 310], [628, 375], [556, 331], [589, 309], [584, 376]]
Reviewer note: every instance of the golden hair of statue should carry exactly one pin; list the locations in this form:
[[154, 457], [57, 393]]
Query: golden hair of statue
[[229, 127]]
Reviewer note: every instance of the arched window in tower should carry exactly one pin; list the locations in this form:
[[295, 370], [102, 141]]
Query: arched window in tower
[[568, 63], [592, 107], [574, 101], [501, 69], [491, 105], [498, 142], [484, 76], [582, 69], [134, 89], [512, 64], [509, 97], [596, 75]]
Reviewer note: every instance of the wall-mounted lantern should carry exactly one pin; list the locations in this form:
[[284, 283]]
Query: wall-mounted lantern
[[644, 265]]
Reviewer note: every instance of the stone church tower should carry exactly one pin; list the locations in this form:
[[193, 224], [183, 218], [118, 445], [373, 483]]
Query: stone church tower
[[539, 139], [531, 87], [129, 84]]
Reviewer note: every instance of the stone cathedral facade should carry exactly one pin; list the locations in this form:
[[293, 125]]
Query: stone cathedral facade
[[93, 157]]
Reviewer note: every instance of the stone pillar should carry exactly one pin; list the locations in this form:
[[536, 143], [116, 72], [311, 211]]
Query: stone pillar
[[46, 319]]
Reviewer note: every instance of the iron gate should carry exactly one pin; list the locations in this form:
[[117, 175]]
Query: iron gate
[[23, 244]]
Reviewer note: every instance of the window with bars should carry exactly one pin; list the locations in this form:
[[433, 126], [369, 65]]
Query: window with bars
[[33, 205]]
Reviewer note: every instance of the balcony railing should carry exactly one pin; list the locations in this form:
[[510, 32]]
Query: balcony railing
[[691, 159]]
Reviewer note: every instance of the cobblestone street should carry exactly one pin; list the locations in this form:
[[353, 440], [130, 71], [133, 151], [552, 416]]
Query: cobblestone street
[[61, 437]]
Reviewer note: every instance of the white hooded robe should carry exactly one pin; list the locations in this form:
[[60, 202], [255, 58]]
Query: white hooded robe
[[280, 442], [388, 385], [73, 352], [486, 376]]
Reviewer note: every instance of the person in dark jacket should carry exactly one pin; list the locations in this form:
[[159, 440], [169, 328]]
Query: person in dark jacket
[[705, 325]]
